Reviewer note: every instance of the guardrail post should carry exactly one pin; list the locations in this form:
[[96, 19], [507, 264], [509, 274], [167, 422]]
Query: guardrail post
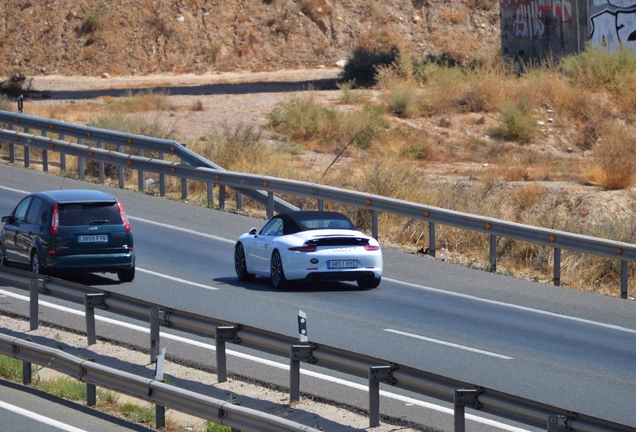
[[100, 165], [80, 162], [493, 253], [321, 205], [120, 171], [11, 148], [431, 239], [26, 367], [222, 196], [297, 354], [553, 423], [91, 391], [11, 153], [377, 374], [27, 151], [557, 267], [239, 201], [374, 224], [270, 204], [45, 155], [91, 301], [463, 397], [154, 334], [62, 156], [160, 410], [184, 185], [140, 173], [162, 179], [224, 334], [210, 191], [33, 303], [624, 274]]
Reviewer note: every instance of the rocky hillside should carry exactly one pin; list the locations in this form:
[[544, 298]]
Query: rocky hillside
[[137, 37]]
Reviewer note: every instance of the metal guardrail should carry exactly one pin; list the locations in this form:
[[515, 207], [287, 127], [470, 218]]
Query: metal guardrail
[[140, 143], [148, 389], [377, 370], [494, 228]]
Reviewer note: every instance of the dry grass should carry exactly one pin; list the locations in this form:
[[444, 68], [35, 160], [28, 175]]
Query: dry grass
[[451, 16]]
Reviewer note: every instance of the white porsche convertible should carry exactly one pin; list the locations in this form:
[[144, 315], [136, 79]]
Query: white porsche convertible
[[309, 245]]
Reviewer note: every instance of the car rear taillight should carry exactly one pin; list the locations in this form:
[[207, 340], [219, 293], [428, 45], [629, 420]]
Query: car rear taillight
[[371, 247], [55, 220], [123, 217], [306, 248]]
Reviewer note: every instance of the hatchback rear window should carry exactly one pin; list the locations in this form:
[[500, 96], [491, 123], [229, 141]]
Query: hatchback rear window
[[78, 214]]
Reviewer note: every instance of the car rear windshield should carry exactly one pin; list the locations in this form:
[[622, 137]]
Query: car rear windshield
[[310, 224], [77, 214]]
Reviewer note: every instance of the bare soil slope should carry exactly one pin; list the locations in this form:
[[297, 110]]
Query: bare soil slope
[[132, 37]]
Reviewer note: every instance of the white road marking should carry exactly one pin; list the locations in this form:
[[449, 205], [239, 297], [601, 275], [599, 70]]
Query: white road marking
[[176, 228], [512, 306], [40, 418], [440, 342], [422, 287], [15, 190], [176, 279], [281, 366]]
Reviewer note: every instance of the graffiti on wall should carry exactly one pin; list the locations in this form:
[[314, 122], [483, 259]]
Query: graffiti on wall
[[613, 23], [527, 22]]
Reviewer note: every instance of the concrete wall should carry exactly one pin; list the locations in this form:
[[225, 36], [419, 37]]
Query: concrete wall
[[537, 27]]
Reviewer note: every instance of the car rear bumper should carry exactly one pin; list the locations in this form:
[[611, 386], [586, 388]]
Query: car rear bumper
[[342, 275], [110, 263]]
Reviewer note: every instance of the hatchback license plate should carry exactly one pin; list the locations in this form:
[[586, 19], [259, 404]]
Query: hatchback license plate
[[102, 238], [342, 264]]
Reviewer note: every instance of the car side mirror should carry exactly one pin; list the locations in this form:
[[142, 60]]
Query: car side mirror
[[252, 231], [5, 219]]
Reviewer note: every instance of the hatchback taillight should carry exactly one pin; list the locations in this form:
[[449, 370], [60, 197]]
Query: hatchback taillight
[[55, 220], [371, 247], [123, 217]]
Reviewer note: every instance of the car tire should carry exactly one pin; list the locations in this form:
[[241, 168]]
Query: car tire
[[240, 265], [126, 275], [369, 283], [36, 264], [276, 271], [3, 257]]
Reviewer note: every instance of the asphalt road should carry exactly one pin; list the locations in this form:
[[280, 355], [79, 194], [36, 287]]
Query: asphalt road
[[561, 347], [24, 409]]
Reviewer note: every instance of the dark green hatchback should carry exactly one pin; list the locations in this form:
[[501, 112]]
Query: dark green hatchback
[[69, 231]]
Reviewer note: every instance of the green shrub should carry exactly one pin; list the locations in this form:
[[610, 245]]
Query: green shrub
[[403, 101], [139, 414], [362, 67], [597, 67], [304, 119], [517, 122], [11, 368], [64, 387], [417, 151], [92, 20]]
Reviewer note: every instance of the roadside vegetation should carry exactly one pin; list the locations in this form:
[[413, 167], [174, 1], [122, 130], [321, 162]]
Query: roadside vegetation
[[504, 134], [107, 401]]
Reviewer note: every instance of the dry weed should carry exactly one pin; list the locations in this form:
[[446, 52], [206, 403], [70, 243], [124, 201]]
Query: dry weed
[[614, 153], [451, 16]]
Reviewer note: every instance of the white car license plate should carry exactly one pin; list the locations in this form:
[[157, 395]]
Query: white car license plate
[[102, 238], [342, 264]]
